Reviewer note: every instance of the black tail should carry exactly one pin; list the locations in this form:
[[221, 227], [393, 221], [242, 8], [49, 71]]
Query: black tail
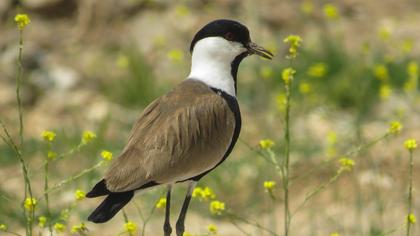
[[110, 206]]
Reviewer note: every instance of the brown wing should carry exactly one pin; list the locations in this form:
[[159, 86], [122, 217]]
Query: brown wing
[[180, 135]]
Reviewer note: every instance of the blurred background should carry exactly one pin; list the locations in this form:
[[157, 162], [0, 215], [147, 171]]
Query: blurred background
[[95, 64]]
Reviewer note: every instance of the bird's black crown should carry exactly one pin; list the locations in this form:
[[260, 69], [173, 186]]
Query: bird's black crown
[[229, 29]]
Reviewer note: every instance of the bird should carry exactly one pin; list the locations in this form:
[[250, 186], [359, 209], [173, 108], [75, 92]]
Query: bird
[[184, 134]]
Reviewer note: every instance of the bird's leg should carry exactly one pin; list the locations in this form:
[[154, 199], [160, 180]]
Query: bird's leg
[[167, 229], [180, 227]]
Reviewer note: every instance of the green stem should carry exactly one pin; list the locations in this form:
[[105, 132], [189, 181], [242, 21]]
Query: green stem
[[232, 221], [286, 163], [350, 153], [410, 192], [145, 221], [28, 190], [258, 151], [126, 221], [10, 232], [47, 203], [18, 83], [312, 194], [233, 216], [74, 177]]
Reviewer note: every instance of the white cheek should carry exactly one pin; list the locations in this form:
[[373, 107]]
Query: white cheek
[[236, 48], [211, 62], [218, 47]]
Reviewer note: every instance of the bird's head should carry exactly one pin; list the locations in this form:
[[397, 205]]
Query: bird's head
[[218, 49], [226, 39]]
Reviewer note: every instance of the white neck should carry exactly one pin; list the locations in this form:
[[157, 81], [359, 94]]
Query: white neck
[[211, 62]]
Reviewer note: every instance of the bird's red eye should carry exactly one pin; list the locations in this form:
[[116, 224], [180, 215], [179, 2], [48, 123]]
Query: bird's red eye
[[229, 36]]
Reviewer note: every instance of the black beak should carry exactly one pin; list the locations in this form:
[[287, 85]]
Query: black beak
[[253, 48]]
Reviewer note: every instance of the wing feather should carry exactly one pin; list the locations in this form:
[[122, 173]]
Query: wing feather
[[179, 135]]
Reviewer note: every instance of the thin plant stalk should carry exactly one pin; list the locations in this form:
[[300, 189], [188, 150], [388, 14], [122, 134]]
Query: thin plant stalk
[[312, 194], [286, 162], [28, 189], [46, 195], [74, 177], [287, 76], [410, 193], [126, 221], [234, 217], [145, 221]]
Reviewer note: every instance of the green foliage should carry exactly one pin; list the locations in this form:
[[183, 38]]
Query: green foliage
[[138, 87]]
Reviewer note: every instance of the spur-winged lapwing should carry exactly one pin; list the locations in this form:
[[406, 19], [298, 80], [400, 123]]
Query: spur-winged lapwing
[[186, 133]]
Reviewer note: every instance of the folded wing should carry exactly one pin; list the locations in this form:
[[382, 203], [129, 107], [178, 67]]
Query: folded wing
[[180, 135]]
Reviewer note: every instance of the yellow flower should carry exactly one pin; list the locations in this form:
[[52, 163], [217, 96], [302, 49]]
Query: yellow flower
[[407, 46], [331, 11], [51, 155], [160, 41], [203, 193], [217, 207], [410, 85], [79, 195], [317, 70], [332, 138], [410, 144], [161, 203], [60, 228], [212, 229], [197, 192], [176, 55], [3, 227], [106, 155], [295, 42], [365, 48], [130, 227], [269, 185], [381, 72], [335, 234], [307, 7], [30, 203], [122, 61], [394, 127], [385, 91], [385, 32], [80, 228], [304, 88], [186, 234], [48, 136], [411, 218], [281, 102], [266, 72], [42, 220], [413, 76], [22, 20], [346, 164], [287, 75], [182, 10], [413, 69], [65, 214], [266, 144], [88, 136], [208, 193]]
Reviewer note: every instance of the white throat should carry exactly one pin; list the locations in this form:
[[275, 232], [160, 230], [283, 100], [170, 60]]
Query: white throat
[[211, 62]]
